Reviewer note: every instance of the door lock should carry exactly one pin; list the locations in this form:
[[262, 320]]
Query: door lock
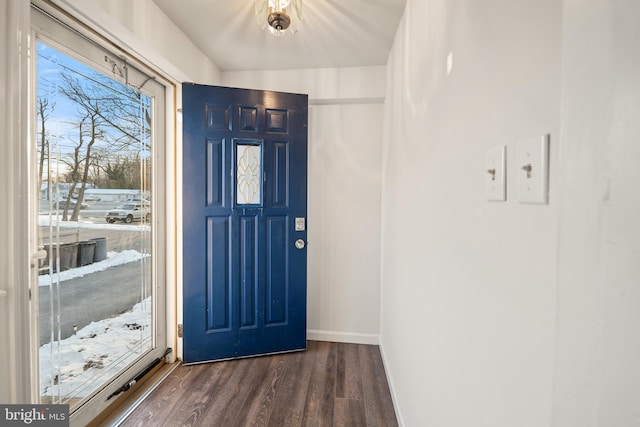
[[300, 244]]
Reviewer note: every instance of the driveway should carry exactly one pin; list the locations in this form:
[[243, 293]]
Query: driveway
[[97, 296]]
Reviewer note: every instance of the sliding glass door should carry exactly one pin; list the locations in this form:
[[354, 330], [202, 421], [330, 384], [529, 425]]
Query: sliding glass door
[[99, 194]]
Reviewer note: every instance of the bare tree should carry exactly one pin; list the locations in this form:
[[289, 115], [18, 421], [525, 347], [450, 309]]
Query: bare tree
[[45, 108], [89, 132], [122, 108], [128, 114], [128, 171], [113, 125]]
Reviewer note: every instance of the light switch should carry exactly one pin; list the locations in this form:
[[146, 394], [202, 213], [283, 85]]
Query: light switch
[[495, 181], [533, 170]]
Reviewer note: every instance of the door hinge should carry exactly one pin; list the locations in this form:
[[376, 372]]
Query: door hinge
[[180, 330]]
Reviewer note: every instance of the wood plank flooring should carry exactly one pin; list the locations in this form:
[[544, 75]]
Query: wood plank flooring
[[330, 384]]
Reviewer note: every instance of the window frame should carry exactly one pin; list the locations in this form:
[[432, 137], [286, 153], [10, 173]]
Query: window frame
[[60, 30]]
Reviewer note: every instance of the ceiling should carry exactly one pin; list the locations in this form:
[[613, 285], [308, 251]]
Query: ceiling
[[333, 33]]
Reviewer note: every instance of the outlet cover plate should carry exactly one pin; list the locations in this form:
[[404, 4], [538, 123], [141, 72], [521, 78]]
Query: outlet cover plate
[[533, 170], [495, 177]]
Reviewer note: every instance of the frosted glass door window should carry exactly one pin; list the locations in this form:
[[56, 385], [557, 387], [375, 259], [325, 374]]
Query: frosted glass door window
[[248, 174]]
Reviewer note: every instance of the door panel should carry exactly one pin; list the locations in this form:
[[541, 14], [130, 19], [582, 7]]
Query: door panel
[[218, 260], [248, 270], [244, 184], [280, 183], [216, 172], [276, 270]]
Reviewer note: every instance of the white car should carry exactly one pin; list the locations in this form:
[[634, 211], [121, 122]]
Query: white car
[[128, 213]]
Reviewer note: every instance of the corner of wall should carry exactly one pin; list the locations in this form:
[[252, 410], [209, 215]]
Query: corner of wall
[[391, 382]]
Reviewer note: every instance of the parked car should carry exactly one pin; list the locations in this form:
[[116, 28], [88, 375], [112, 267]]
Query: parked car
[[128, 213], [72, 204], [86, 197]]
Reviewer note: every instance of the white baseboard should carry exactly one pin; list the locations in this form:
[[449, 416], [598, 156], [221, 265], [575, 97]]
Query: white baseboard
[[346, 337], [392, 390]]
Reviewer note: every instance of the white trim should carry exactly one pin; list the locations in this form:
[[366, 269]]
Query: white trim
[[392, 390], [345, 337], [346, 101], [15, 343], [179, 242]]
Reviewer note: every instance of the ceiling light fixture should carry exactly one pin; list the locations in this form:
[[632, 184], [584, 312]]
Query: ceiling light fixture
[[280, 15]]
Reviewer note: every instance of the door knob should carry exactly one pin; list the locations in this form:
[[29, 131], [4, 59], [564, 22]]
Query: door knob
[[300, 244]]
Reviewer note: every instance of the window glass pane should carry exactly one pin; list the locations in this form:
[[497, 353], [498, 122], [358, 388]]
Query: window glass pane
[[94, 170], [248, 174]]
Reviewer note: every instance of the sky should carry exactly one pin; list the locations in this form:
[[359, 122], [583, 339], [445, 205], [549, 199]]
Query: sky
[[62, 122], [51, 65]]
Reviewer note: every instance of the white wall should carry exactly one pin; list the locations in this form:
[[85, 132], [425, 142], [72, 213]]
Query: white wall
[[469, 286], [323, 85], [598, 338], [142, 26], [345, 138], [344, 222]]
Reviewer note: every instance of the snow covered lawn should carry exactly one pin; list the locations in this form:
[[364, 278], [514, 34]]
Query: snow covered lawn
[[78, 365]]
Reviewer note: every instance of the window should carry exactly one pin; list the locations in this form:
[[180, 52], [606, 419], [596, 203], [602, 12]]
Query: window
[[99, 200]]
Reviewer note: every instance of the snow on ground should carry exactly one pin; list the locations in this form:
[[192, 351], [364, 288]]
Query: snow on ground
[[113, 259], [78, 365]]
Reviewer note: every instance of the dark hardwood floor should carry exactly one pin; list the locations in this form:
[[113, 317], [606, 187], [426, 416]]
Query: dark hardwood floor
[[330, 384]]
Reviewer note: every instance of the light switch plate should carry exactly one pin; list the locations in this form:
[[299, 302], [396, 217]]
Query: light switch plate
[[495, 178], [533, 170]]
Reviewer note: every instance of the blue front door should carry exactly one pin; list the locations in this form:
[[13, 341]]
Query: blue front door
[[245, 209]]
